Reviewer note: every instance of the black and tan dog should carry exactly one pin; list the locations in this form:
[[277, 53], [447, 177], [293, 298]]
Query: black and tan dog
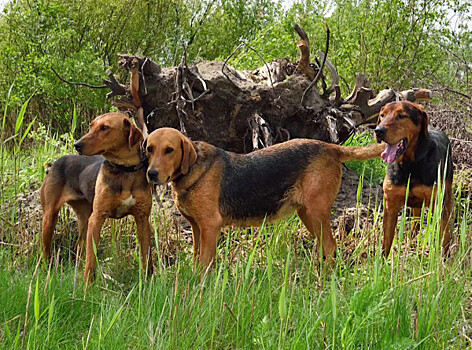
[[111, 184], [213, 188], [414, 152]]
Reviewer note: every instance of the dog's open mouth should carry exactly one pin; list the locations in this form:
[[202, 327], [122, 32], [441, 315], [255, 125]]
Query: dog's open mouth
[[393, 152]]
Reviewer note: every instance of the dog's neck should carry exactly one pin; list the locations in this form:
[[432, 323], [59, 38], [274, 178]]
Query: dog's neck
[[417, 148], [125, 156]]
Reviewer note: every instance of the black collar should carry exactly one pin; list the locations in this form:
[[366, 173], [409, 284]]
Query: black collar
[[127, 169]]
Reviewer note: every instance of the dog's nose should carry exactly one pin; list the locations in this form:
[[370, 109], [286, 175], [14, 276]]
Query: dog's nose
[[153, 175], [380, 132], [78, 146]]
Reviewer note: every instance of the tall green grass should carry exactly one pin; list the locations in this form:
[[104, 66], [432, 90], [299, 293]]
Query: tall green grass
[[272, 294], [267, 291]]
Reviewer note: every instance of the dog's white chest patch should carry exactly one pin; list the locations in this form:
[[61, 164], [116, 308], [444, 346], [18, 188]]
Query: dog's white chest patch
[[125, 205]]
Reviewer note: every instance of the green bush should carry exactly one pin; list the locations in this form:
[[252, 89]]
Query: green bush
[[396, 43]]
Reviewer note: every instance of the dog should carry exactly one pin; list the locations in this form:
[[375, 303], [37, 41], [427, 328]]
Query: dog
[[107, 180], [414, 152], [213, 188]]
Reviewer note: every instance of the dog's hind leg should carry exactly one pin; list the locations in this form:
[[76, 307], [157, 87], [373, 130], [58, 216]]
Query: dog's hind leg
[[318, 224], [447, 218], [416, 216], [317, 193], [50, 215], [83, 210], [52, 199], [144, 237]]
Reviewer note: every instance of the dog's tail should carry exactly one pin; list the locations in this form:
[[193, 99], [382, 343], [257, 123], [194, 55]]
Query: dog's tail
[[347, 154], [47, 167]]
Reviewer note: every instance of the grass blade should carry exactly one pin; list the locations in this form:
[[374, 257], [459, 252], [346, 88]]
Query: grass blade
[[21, 115]]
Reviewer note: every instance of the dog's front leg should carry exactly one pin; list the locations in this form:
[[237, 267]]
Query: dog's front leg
[[196, 238], [210, 231], [416, 216], [144, 237], [389, 225], [93, 235], [447, 219]]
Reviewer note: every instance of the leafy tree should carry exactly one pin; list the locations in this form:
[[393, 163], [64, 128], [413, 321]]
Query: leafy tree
[[398, 43]]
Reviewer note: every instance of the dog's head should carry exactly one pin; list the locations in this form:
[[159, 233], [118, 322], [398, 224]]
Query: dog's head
[[400, 124], [109, 133], [170, 154]]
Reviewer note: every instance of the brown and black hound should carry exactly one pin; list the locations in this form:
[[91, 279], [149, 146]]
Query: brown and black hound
[[110, 184], [414, 153], [213, 188]]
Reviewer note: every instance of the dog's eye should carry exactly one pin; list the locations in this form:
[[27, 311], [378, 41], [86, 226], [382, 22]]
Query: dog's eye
[[401, 116], [169, 150], [149, 149], [104, 128]]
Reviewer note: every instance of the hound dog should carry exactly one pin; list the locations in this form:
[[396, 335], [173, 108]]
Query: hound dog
[[109, 184], [213, 188], [414, 153]]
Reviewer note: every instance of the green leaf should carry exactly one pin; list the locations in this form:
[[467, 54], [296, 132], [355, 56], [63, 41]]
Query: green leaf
[[283, 313], [21, 115], [117, 314], [74, 121], [6, 106], [36, 301]]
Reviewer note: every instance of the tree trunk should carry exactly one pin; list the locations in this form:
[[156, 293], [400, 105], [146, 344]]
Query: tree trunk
[[242, 111]]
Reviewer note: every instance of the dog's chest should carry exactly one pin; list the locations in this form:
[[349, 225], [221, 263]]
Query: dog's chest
[[125, 206]]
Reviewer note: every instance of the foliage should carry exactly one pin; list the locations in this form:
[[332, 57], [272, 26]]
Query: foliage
[[397, 43]]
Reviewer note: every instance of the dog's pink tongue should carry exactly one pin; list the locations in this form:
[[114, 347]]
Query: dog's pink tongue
[[390, 153]]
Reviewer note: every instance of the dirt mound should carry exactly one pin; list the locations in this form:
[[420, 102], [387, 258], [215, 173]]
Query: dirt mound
[[455, 119]]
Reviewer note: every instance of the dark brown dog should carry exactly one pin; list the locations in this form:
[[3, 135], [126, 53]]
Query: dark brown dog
[[111, 184], [413, 153], [213, 188]]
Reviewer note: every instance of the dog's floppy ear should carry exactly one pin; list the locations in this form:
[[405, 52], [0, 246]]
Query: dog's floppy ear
[[189, 155], [378, 118], [134, 134], [424, 121]]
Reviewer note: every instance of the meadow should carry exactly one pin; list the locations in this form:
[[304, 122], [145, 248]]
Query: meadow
[[268, 290]]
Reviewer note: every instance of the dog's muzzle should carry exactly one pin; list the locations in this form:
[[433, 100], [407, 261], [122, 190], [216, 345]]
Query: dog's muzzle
[[78, 146], [153, 176], [380, 133]]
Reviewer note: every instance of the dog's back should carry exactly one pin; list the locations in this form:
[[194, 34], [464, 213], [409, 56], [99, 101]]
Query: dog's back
[[257, 184], [71, 179], [75, 172]]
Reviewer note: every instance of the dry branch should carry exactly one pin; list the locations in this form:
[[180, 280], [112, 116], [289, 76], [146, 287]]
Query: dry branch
[[304, 47], [242, 111], [78, 83]]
